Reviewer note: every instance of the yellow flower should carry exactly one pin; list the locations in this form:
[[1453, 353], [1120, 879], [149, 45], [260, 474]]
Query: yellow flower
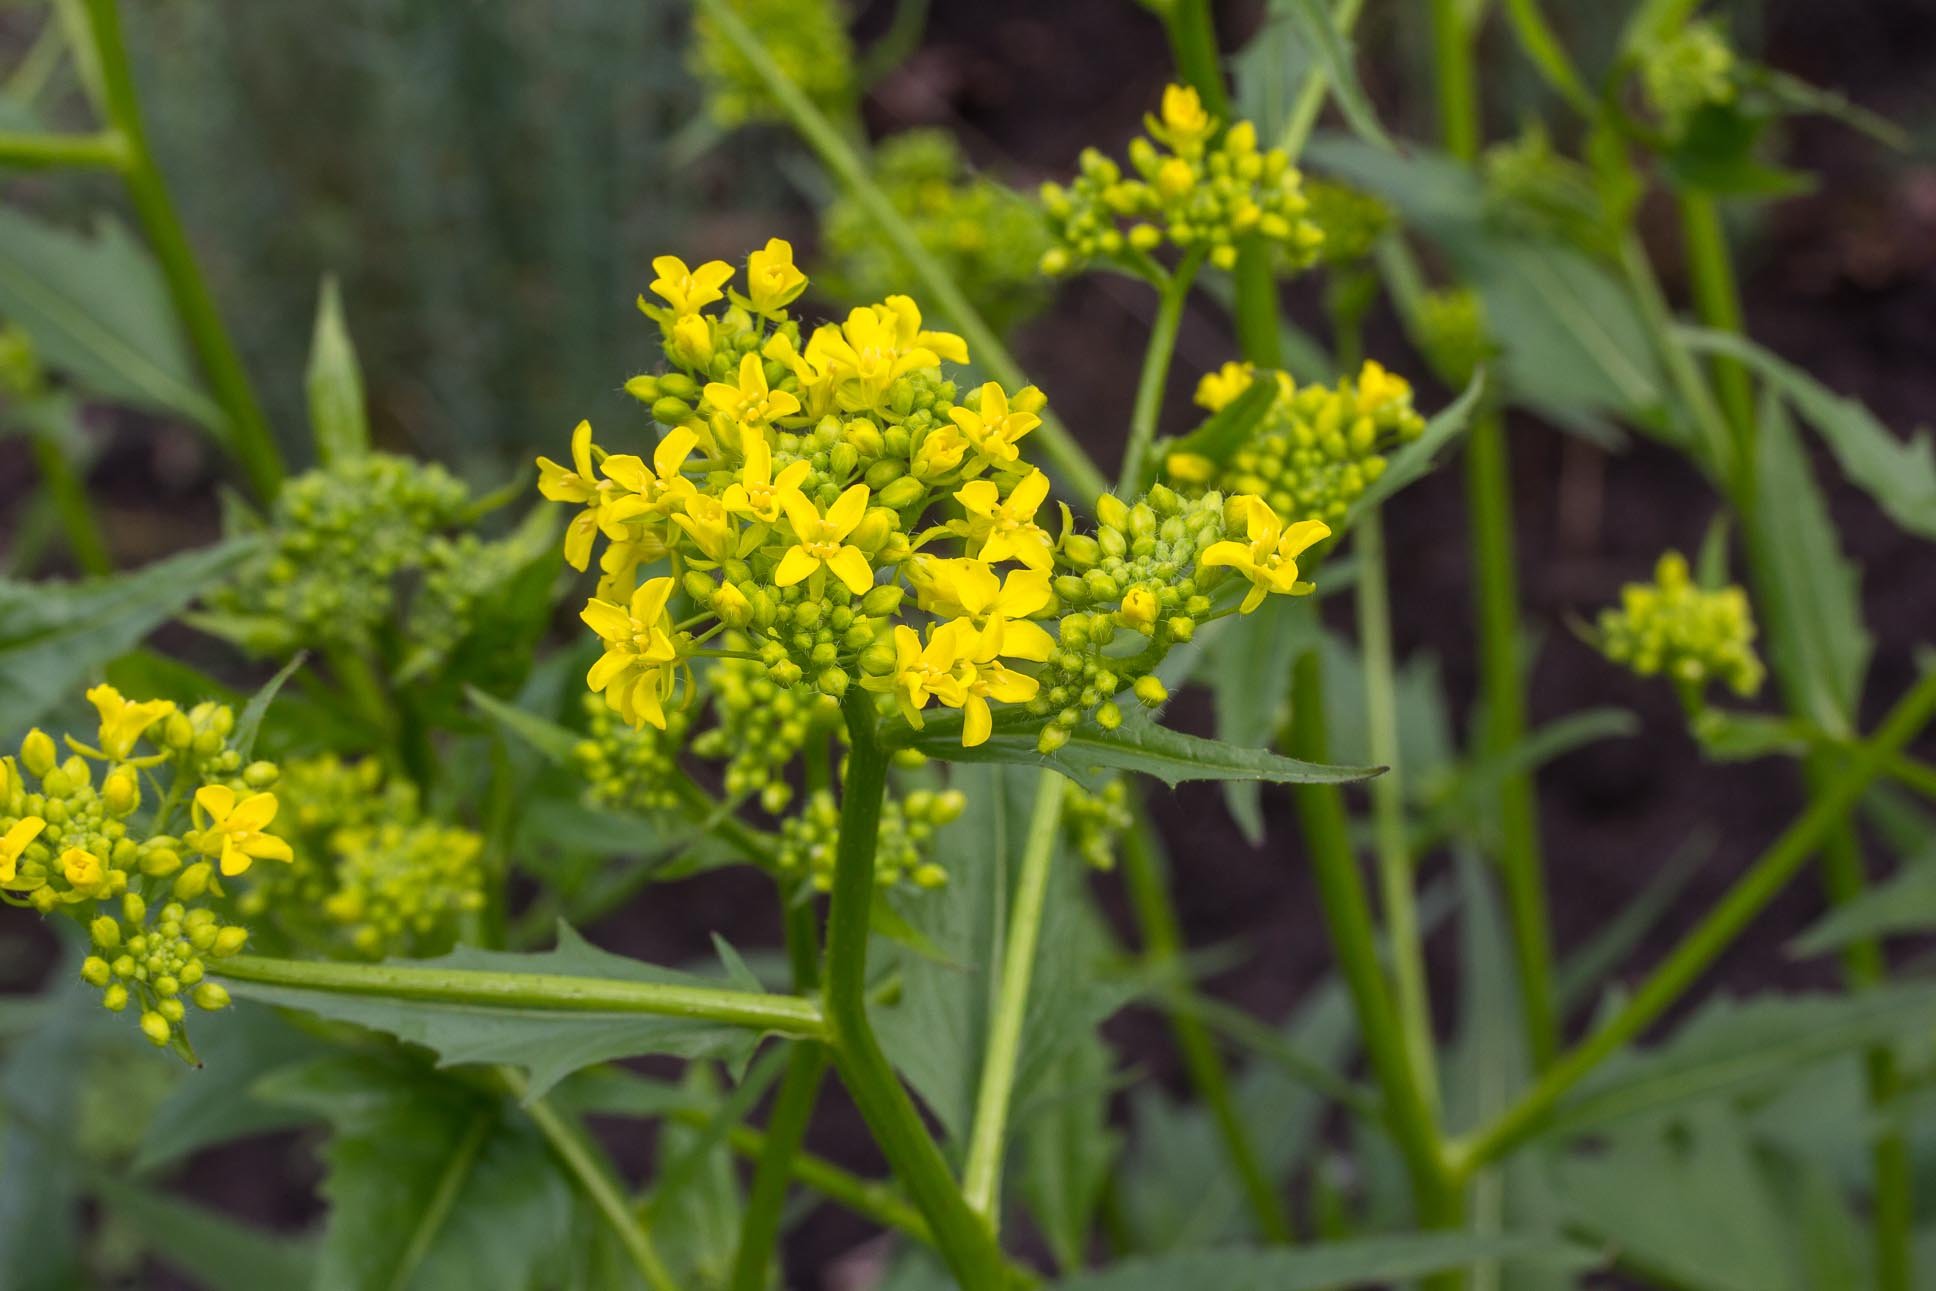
[[235, 830], [707, 523], [619, 566], [816, 378], [876, 346], [692, 340], [1217, 389], [922, 672], [638, 670], [772, 281], [969, 590], [821, 541], [941, 451], [579, 486], [1269, 559], [1185, 124], [984, 676], [15, 841], [122, 722], [910, 334], [653, 490], [1007, 529], [82, 869], [994, 430], [689, 290], [757, 492], [1378, 389], [751, 402]]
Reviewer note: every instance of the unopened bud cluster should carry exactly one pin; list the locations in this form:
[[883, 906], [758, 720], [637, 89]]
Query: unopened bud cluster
[[810, 837], [1318, 447], [807, 38], [761, 728], [1095, 823], [139, 870], [1451, 333], [1350, 219], [1674, 628], [1192, 185], [1690, 70], [628, 768], [987, 236]]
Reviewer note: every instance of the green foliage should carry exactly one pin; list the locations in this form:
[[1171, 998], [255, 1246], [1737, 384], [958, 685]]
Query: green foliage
[[337, 416]]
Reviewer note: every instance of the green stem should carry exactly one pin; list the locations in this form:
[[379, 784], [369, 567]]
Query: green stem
[[1170, 300], [1192, 34], [586, 1164], [543, 992], [1699, 949], [1452, 67], [966, 1241], [1540, 44], [1715, 447], [1064, 455], [69, 497], [1317, 84], [38, 150], [1718, 302], [868, 1198], [1395, 873], [1913, 774], [1347, 916], [1149, 897], [982, 1177], [786, 1127], [248, 431]]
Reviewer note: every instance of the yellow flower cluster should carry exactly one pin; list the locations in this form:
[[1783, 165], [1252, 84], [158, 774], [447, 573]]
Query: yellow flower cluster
[[69, 845], [806, 481], [1192, 184], [1318, 447], [1675, 628]]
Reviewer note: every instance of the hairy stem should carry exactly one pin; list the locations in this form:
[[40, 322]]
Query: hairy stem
[[1699, 949], [965, 1239], [982, 1177]]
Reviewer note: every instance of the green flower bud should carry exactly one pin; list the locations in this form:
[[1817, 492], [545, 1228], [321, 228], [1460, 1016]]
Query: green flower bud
[[95, 971], [193, 881], [211, 996], [903, 492], [121, 792], [260, 775], [38, 754], [160, 862], [1151, 691], [228, 941], [115, 998], [156, 1028]]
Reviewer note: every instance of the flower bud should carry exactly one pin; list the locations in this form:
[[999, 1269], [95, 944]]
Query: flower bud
[[903, 492], [1053, 737], [95, 971], [37, 752], [121, 792], [1151, 691], [1108, 716], [177, 732], [156, 1028], [261, 775], [211, 996], [1139, 610], [228, 941], [115, 998], [159, 862], [105, 932], [193, 881]]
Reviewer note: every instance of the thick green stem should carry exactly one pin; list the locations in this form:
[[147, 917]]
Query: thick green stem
[[786, 1127], [965, 1239], [1192, 34], [1065, 456], [1347, 916], [1170, 300], [1149, 897], [1701, 947], [69, 497], [37, 150], [249, 437], [1718, 302], [982, 1177], [1453, 73], [545, 992], [587, 1165], [1395, 873]]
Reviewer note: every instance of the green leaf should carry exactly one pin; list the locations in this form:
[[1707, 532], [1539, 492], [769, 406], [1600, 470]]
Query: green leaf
[[1138, 745], [337, 414], [215, 1103], [1904, 903], [1312, 19], [1415, 460], [98, 310], [53, 635], [1810, 597], [555, 742], [1796, 95], [1227, 429], [39, 1104], [219, 1253], [1731, 1049], [1369, 1261], [550, 1045], [432, 1184], [249, 724], [1586, 968], [1743, 737], [1069, 1151], [1899, 474], [1250, 683]]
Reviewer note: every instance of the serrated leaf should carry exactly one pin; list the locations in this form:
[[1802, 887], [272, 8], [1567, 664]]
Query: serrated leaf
[[338, 417], [1415, 460], [53, 635], [98, 309], [1900, 474], [1139, 745], [433, 1185], [1365, 1262], [547, 1044]]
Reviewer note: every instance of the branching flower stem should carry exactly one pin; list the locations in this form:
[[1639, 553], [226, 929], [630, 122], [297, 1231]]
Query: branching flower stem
[[1173, 293]]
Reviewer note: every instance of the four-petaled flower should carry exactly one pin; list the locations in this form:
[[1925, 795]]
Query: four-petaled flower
[[995, 430], [969, 589], [579, 486], [758, 492], [923, 672], [984, 676], [772, 280], [236, 828], [1006, 528], [15, 841], [639, 667], [650, 490], [751, 402], [123, 722], [688, 290], [821, 541], [1269, 558]]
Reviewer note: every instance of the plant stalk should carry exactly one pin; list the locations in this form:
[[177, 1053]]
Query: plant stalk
[[249, 437], [966, 1241], [40, 150], [1173, 295], [68, 494], [1701, 947]]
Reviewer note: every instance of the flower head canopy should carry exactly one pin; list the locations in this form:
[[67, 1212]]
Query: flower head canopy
[[638, 669], [689, 290], [15, 841], [1269, 559], [236, 829], [123, 721], [821, 541]]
